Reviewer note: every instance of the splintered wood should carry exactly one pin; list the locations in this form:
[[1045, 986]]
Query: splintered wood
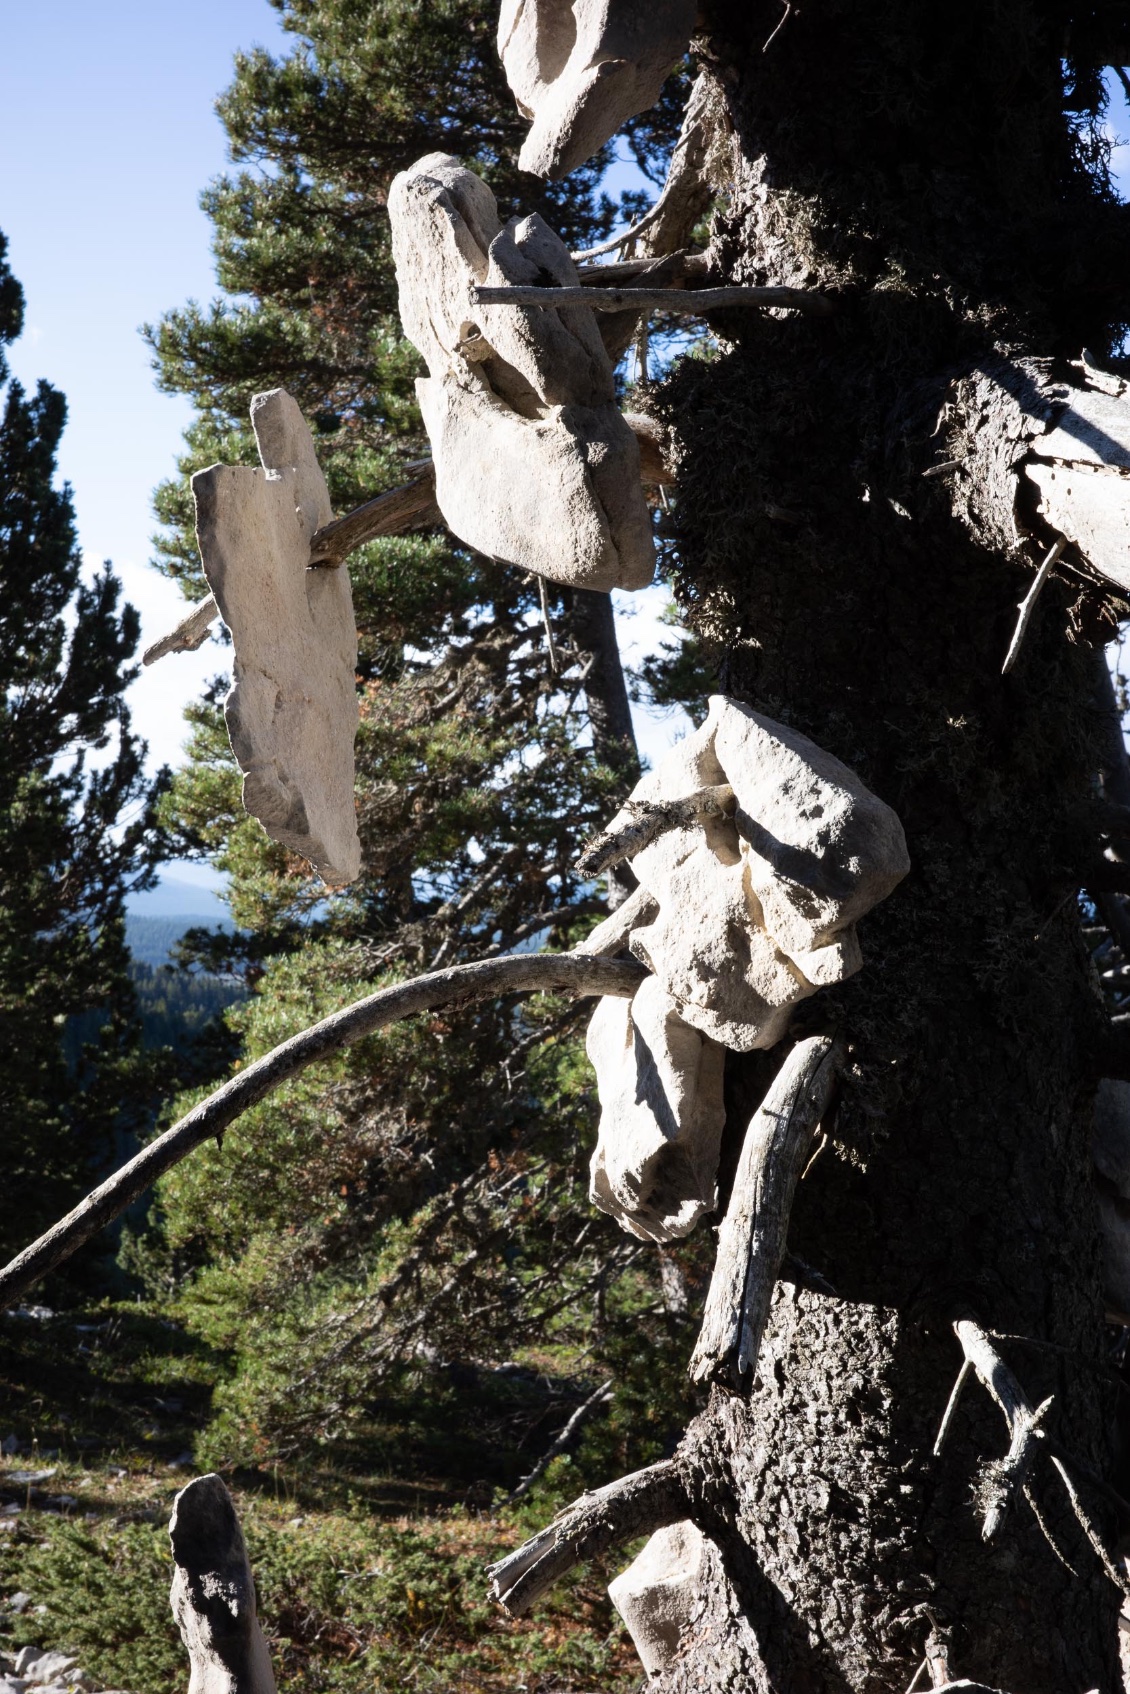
[[535, 465], [292, 710], [213, 1594]]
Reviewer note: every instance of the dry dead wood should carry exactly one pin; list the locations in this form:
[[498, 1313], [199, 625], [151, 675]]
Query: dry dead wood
[[649, 819], [751, 1241], [564, 973], [619, 1512], [189, 634], [690, 301], [213, 1594]]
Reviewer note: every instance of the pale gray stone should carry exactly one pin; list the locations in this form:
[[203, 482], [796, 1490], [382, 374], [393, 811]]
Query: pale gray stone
[[1081, 471], [662, 1113], [753, 913], [213, 1594], [40, 1667], [821, 848], [535, 464], [292, 711], [581, 68], [658, 1595]]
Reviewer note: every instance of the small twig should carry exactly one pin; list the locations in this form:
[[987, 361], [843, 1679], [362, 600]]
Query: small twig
[[913, 1683], [602, 1397], [1087, 1525], [1023, 1422], [608, 1517], [1124, 79], [691, 301], [951, 1406], [648, 819], [568, 973], [1045, 1531], [544, 598], [1028, 604], [784, 20], [944, 468], [190, 633], [751, 1240]]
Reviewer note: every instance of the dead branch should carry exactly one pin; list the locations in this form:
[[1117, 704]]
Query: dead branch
[[1028, 605], [411, 506], [690, 301], [190, 633], [621, 1511], [669, 269], [648, 819], [602, 1397], [565, 973], [1023, 1421], [213, 1593], [751, 1241]]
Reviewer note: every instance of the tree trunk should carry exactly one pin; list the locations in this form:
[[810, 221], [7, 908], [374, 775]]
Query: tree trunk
[[593, 626], [917, 160]]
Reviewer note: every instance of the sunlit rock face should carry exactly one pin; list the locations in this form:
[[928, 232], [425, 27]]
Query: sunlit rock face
[[535, 464], [579, 69], [292, 710]]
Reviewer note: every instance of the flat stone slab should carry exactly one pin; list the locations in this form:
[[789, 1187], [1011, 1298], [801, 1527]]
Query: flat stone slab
[[535, 464], [662, 1113], [292, 711], [579, 69]]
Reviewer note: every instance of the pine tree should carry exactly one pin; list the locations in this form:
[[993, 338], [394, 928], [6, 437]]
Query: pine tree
[[448, 1204], [76, 825]]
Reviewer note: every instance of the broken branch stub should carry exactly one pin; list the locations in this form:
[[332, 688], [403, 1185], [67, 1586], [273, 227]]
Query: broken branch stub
[[581, 68], [534, 463], [292, 711], [213, 1594], [690, 302], [751, 1240]]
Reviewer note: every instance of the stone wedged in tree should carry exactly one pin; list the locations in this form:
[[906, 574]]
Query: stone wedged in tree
[[535, 464], [213, 1594], [1081, 470], [581, 68], [756, 912], [292, 710], [657, 1595], [662, 1113]]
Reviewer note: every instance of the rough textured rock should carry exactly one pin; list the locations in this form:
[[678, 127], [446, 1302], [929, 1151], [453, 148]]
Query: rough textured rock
[[535, 465], [662, 1112], [581, 68], [756, 912], [656, 1595], [213, 1594], [292, 710], [1081, 469]]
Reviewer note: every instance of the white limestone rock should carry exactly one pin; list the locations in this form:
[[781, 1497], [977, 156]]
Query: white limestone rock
[[535, 464], [658, 1595], [581, 68], [662, 1112], [756, 912], [292, 711]]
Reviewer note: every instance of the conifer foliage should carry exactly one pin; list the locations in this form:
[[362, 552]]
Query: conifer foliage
[[76, 822], [421, 1204]]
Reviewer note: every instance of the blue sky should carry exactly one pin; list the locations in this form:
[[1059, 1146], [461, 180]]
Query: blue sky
[[107, 136]]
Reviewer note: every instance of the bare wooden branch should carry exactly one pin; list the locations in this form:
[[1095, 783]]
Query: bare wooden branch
[[1022, 1419], [565, 973], [648, 819], [190, 633], [691, 301], [670, 269], [612, 934], [213, 1594], [634, 1505], [602, 1397], [751, 1241], [1028, 604], [411, 506], [951, 1406]]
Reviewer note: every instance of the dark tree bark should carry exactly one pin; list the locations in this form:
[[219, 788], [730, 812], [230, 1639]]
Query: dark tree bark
[[917, 160]]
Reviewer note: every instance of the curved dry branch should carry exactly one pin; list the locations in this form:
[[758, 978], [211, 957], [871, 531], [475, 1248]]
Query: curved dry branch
[[751, 1241], [648, 819], [566, 973], [634, 1505]]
